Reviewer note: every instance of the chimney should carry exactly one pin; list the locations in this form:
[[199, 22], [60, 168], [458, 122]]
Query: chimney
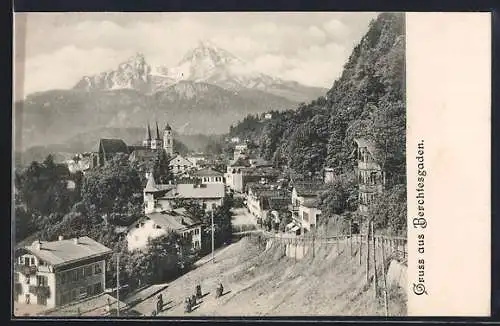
[[75, 240], [61, 238]]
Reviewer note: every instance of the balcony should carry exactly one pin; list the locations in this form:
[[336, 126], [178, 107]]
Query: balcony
[[26, 270], [44, 269], [367, 165], [369, 187], [40, 290]]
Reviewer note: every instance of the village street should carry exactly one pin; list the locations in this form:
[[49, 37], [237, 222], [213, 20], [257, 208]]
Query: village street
[[243, 217]]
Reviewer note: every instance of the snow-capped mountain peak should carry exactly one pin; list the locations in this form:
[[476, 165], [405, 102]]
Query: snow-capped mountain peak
[[206, 63]]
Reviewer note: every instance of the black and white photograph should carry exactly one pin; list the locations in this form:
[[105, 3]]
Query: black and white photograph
[[209, 164]]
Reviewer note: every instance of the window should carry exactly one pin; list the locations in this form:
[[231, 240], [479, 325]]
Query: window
[[88, 271], [89, 290], [26, 261], [97, 288], [74, 275], [83, 291], [41, 262], [157, 226], [73, 295], [63, 277], [21, 260], [32, 260], [80, 275], [305, 216], [41, 280], [28, 279], [97, 269]]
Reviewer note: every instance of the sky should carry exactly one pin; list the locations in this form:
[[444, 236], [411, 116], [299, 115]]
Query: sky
[[55, 50]]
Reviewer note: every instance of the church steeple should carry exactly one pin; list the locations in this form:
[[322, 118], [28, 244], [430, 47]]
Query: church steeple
[[157, 131], [168, 140], [147, 140], [157, 143]]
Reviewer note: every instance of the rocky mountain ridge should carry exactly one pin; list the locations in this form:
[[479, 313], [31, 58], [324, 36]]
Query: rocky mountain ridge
[[206, 63]]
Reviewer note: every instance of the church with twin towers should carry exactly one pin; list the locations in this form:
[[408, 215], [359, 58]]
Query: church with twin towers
[[165, 141]]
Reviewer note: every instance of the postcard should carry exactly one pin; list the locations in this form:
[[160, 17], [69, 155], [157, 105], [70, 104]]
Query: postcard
[[246, 164]]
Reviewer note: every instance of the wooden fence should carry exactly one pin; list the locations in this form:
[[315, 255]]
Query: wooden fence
[[375, 252]]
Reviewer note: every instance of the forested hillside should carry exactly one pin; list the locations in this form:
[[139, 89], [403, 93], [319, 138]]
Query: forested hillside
[[368, 100]]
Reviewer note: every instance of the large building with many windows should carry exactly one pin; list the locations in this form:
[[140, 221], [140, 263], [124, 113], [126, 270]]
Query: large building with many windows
[[59, 272]]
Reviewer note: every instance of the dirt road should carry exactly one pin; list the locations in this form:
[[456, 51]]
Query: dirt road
[[242, 217]]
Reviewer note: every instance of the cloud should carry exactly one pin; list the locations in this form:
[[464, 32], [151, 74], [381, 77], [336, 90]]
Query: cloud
[[66, 66], [336, 29], [310, 48]]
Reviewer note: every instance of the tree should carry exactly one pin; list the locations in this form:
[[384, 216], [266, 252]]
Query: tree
[[159, 261], [222, 220], [163, 259], [43, 187], [340, 196], [389, 210], [192, 207], [285, 219], [114, 190], [24, 223], [161, 170]]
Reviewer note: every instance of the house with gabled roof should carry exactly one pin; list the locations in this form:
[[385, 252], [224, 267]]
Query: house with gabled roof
[[240, 172], [179, 164], [209, 175], [304, 204], [371, 177], [262, 199], [159, 197], [55, 273], [156, 224]]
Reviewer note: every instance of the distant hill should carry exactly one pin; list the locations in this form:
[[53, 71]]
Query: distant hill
[[191, 108], [368, 100], [87, 141]]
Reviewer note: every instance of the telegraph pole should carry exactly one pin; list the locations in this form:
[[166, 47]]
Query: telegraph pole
[[213, 242], [118, 285]]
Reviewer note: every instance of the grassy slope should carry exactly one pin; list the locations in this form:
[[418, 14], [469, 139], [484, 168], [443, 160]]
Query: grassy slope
[[267, 283]]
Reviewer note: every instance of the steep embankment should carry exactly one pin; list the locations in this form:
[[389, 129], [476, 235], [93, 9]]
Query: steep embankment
[[262, 282]]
